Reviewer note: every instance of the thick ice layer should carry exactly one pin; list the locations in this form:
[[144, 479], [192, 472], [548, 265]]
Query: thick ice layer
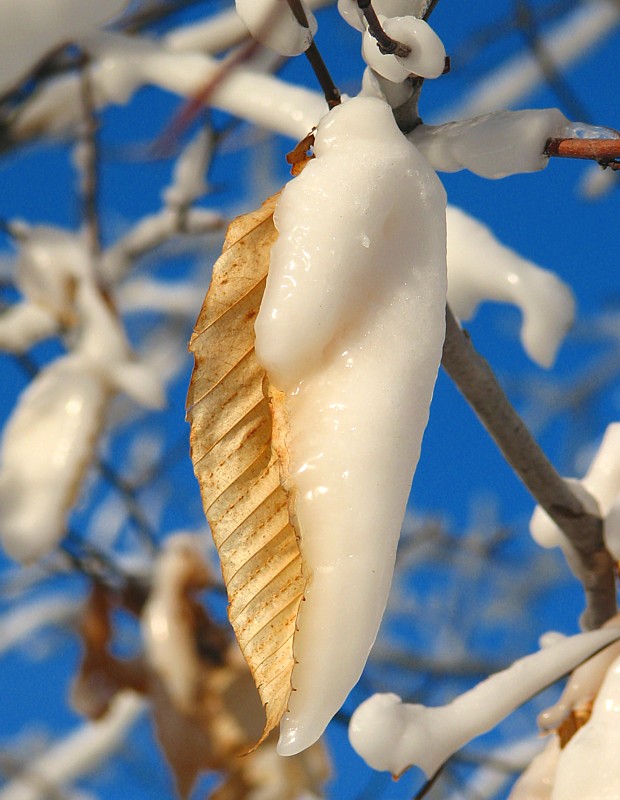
[[49, 440], [493, 145], [391, 735], [482, 268], [588, 766], [168, 630], [32, 28], [272, 23], [427, 56], [351, 328], [350, 11]]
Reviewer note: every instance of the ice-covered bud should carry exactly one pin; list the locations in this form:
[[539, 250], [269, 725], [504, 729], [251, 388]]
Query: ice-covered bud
[[494, 145], [391, 735], [428, 55], [384, 64], [351, 12], [272, 23]]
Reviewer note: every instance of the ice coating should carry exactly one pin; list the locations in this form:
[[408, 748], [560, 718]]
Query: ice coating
[[599, 489], [581, 688], [49, 439], [351, 12], [482, 268], [272, 23], [31, 29], [168, 632], [536, 783], [493, 145], [588, 766], [351, 328], [391, 735], [428, 55]]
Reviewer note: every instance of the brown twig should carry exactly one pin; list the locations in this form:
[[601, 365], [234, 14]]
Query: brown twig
[[315, 59], [605, 151], [385, 43], [584, 530], [89, 161]]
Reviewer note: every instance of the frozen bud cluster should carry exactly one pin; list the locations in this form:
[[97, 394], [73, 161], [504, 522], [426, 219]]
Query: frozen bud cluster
[[400, 20], [272, 23]]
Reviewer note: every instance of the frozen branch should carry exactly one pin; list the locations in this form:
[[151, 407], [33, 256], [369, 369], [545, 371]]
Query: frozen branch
[[584, 530], [121, 65], [391, 735]]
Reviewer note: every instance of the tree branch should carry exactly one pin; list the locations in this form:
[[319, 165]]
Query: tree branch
[[605, 151], [476, 381]]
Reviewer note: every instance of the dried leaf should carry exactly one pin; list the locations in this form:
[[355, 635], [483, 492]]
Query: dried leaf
[[238, 463]]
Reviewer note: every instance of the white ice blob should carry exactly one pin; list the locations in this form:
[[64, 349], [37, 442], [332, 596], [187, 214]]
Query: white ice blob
[[168, 630], [428, 55], [536, 783], [391, 735], [351, 12], [482, 268], [272, 23], [384, 64], [588, 767], [493, 145], [351, 327]]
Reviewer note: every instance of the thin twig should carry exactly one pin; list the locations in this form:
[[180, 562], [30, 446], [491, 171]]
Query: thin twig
[[605, 151], [584, 530], [526, 22], [89, 162], [315, 59]]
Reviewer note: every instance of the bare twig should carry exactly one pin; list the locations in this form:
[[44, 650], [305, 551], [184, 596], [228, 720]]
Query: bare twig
[[89, 162], [584, 530], [527, 23], [315, 59], [605, 151]]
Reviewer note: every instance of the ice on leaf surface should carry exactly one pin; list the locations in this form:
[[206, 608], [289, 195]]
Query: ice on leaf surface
[[351, 329]]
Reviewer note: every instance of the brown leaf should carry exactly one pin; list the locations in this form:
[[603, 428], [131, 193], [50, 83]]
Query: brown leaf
[[101, 675], [238, 464]]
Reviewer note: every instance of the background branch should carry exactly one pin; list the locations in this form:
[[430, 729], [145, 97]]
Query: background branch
[[476, 381]]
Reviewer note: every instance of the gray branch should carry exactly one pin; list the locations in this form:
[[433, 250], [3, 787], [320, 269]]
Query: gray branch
[[584, 530]]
